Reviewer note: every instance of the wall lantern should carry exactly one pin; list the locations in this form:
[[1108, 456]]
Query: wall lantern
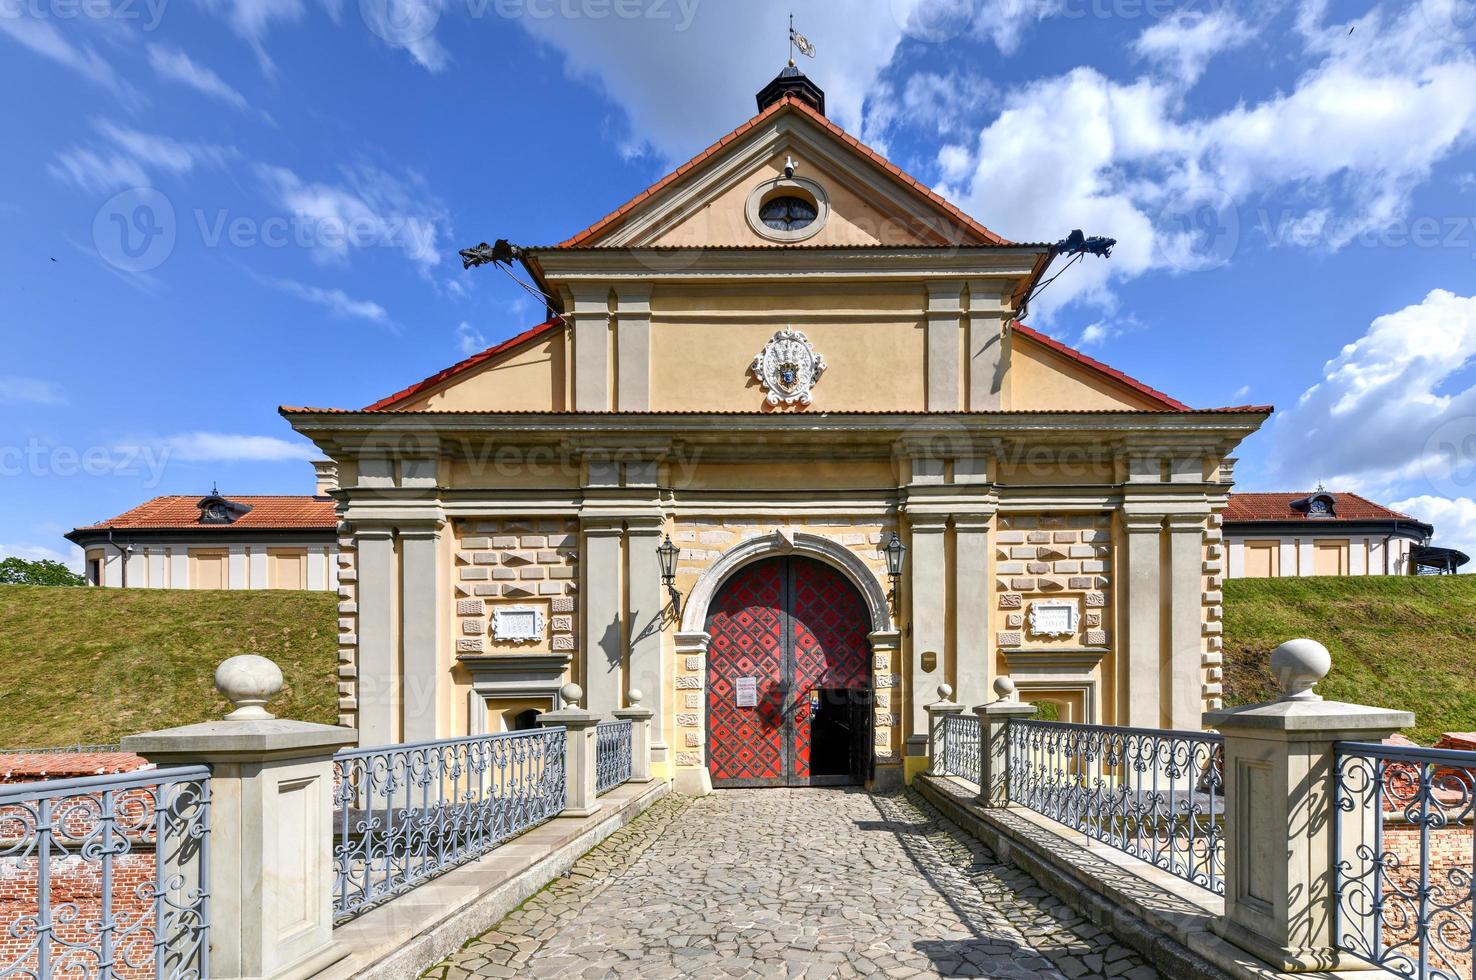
[[668, 553], [896, 551]]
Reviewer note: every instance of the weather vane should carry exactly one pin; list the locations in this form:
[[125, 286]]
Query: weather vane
[[798, 40]]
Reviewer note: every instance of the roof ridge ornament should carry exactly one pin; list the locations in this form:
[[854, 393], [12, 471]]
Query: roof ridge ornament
[[788, 367]]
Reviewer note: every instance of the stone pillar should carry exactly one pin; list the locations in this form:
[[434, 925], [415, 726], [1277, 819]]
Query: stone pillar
[[943, 316], [971, 590], [580, 747], [691, 696], [987, 352], [420, 629], [1144, 634], [603, 629], [994, 746], [1185, 694], [928, 595], [377, 663], [646, 595], [640, 736], [589, 311], [633, 347], [271, 827], [937, 711], [1280, 787]]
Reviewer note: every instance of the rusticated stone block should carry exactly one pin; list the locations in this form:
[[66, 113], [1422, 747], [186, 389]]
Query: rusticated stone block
[[561, 642], [1038, 568], [1038, 537], [503, 574], [1022, 584], [1053, 522], [562, 624], [562, 604], [473, 627], [484, 558], [694, 663], [1064, 537], [689, 683], [1010, 537], [689, 758], [504, 541], [1092, 619], [1010, 568], [687, 719], [1008, 638], [468, 645], [692, 739], [549, 588], [476, 544], [1079, 582], [1015, 620], [1096, 638], [473, 574], [488, 590], [518, 590], [692, 700], [1066, 568], [1010, 600], [470, 607], [532, 572], [1095, 599]]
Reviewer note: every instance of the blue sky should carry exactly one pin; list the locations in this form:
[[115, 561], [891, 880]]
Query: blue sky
[[212, 207]]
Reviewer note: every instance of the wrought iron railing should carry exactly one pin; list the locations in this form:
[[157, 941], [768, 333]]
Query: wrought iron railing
[[1155, 794], [612, 754], [105, 876], [407, 813], [961, 746], [1407, 869]]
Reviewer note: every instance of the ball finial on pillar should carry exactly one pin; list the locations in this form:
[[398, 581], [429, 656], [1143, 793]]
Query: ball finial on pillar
[[1004, 686], [1298, 665], [571, 693], [945, 692], [634, 696], [248, 682]]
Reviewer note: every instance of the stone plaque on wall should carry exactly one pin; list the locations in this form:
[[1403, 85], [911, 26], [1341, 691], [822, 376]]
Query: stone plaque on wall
[[1053, 618]]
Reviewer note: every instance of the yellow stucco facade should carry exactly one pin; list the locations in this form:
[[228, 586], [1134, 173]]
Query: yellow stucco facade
[[502, 518]]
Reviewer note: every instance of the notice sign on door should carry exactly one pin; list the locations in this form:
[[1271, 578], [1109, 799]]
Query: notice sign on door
[[745, 694]]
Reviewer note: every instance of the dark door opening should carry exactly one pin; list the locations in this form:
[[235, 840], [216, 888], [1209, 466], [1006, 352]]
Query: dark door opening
[[789, 677]]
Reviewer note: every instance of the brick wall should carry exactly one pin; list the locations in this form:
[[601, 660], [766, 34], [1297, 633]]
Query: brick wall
[[516, 562]]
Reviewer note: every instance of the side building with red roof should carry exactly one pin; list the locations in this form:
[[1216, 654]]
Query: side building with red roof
[[216, 541], [1321, 532], [781, 465]]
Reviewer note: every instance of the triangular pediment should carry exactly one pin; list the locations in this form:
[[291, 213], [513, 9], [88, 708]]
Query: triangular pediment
[[711, 200]]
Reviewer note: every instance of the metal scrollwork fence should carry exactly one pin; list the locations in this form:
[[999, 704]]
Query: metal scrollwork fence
[[1155, 794], [407, 813], [1407, 868], [961, 746], [105, 876], [612, 754]]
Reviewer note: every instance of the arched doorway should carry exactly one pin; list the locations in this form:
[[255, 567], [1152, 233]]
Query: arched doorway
[[789, 698]]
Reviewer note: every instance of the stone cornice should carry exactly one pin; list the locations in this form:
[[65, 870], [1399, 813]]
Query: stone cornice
[[834, 263]]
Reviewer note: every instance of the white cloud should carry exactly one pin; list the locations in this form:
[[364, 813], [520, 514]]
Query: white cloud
[[177, 66], [251, 20], [1127, 160], [227, 447], [16, 390], [1393, 411], [43, 38], [469, 341], [410, 25], [131, 156], [1454, 519], [1242, 392], [370, 208], [730, 48], [335, 301], [40, 552], [1186, 41]]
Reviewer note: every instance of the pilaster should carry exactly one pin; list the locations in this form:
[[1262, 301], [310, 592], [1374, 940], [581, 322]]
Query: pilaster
[[1185, 699], [988, 353], [973, 661], [421, 615], [375, 605], [928, 598], [589, 310], [633, 347], [943, 316], [647, 600], [1143, 589], [603, 629]]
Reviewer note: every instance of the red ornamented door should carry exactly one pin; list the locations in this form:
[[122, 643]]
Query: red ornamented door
[[788, 677]]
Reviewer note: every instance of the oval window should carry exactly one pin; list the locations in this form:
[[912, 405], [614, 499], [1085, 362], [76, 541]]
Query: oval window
[[788, 213]]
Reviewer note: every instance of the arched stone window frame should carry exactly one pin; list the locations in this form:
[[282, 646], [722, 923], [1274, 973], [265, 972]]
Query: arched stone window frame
[[801, 187]]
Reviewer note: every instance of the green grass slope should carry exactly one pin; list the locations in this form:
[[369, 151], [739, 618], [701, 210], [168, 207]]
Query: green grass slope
[[93, 665], [1396, 642]]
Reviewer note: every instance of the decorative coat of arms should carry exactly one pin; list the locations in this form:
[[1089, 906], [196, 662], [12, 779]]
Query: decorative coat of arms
[[788, 367]]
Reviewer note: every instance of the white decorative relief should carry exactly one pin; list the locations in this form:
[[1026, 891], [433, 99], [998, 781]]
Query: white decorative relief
[[518, 624], [788, 368], [1053, 618]]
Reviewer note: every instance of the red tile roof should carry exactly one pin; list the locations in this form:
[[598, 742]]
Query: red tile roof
[[461, 367], [32, 766], [1278, 507], [267, 513], [787, 103], [1169, 404]]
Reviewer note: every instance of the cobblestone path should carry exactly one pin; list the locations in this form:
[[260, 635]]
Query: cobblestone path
[[792, 883]]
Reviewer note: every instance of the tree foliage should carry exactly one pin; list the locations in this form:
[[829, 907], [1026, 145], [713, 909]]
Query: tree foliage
[[19, 571]]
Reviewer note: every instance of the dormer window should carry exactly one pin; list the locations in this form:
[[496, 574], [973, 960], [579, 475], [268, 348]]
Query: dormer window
[[1319, 508], [1318, 505], [215, 509]]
